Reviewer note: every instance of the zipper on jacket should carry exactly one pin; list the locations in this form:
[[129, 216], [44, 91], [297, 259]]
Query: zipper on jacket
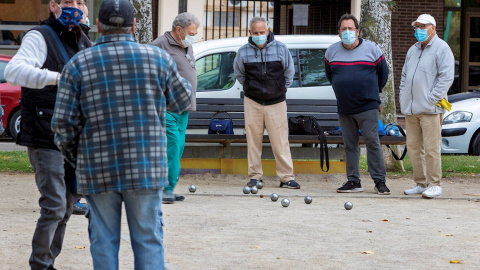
[[414, 73], [264, 71]]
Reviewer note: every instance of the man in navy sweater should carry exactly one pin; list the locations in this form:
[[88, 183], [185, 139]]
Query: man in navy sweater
[[357, 70]]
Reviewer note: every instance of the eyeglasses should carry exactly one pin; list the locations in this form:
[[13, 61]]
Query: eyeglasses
[[421, 26], [347, 28], [190, 59]]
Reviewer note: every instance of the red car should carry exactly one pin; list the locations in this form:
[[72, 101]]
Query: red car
[[10, 101]]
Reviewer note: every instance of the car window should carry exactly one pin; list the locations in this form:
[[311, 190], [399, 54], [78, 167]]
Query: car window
[[3, 64], [215, 72], [309, 68]]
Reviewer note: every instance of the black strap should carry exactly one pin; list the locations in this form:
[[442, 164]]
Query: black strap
[[218, 112], [404, 150], [324, 159], [59, 43]]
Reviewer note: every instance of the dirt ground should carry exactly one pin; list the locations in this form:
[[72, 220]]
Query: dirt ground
[[218, 227]]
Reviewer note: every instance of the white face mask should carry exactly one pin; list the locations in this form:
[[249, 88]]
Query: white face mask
[[188, 41]]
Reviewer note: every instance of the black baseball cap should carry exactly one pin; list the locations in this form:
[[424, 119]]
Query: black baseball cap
[[118, 13]]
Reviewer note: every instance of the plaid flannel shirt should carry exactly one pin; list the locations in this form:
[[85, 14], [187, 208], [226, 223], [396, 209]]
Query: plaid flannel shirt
[[109, 118]]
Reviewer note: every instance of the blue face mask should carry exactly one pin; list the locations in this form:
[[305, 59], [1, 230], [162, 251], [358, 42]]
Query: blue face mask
[[259, 40], [70, 17], [348, 37], [421, 34], [87, 22]]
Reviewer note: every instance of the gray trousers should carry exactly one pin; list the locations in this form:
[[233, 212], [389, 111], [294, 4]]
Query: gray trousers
[[56, 203], [367, 122]]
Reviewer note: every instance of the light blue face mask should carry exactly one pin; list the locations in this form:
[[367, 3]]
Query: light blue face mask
[[421, 34], [348, 37], [259, 40]]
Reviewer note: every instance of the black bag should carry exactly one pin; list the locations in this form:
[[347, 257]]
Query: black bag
[[396, 127], [307, 125], [302, 125], [221, 126]]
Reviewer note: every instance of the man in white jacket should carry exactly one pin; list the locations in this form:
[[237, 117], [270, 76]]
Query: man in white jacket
[[426, 77]]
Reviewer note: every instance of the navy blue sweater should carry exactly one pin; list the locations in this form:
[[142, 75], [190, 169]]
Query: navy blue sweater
[[357, 76]]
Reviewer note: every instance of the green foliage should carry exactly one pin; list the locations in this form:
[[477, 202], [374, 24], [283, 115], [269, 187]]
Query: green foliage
[[452, 166], [392, 5], [15, 161]]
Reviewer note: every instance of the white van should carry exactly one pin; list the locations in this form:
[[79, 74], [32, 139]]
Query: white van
[[216, 79]]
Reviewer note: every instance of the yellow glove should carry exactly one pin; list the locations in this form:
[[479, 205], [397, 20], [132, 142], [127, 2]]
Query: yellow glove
[[445, 104]]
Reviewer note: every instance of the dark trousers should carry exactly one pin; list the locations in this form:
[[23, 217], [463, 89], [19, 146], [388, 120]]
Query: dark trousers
[[55, 203], [367, 122]]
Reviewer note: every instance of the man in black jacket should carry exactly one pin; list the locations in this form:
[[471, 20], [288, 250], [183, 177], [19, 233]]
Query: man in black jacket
[[36, 67], [265, 68]]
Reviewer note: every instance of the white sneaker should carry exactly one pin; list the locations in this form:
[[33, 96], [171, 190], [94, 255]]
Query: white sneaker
[[432, 192], [415, 190]]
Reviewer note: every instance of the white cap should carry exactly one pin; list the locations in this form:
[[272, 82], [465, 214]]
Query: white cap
[[425, 19]]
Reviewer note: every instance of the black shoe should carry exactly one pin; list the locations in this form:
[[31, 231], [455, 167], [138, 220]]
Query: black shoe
[[79, 208], [253, 182], [381, 188], [350, 186], [179, 198], [290, 184]]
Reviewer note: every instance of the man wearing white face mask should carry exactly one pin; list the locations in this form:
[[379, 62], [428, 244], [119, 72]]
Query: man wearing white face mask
[[178, 44], [358, 72], [427, 75], [265, 68]]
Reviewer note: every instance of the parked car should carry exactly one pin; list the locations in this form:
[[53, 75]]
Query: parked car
[[10, 99], [216, 79], [461, 126]]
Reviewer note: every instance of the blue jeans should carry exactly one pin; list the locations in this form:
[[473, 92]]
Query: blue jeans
[[144, 217], [56, 203], [367, 122], [176, 127]]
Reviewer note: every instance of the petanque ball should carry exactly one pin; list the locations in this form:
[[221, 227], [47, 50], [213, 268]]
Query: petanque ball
[[254, 190], [348, 205], [259, 185], [285, 202], [246, 190], [192, 188], [308, 199], [274, 197]]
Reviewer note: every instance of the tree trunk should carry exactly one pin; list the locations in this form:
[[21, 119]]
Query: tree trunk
[[375, 24], [143, 26]]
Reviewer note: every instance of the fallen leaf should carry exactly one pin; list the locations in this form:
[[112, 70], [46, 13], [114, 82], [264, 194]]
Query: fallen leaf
[[80, 247], [369, 231], [455, 261], [366, 252], [385, 220]]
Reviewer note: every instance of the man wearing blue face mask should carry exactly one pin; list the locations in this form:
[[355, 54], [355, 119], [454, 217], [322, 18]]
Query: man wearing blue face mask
[[358, 72], [36, 67], [178, 44], [427, 75], [265, 68]]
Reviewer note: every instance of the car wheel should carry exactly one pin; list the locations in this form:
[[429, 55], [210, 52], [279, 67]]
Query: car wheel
[[14, 124], [476, 145]]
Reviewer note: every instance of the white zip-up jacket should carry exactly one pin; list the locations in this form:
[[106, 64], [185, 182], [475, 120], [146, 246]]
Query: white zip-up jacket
[[426, 77]]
